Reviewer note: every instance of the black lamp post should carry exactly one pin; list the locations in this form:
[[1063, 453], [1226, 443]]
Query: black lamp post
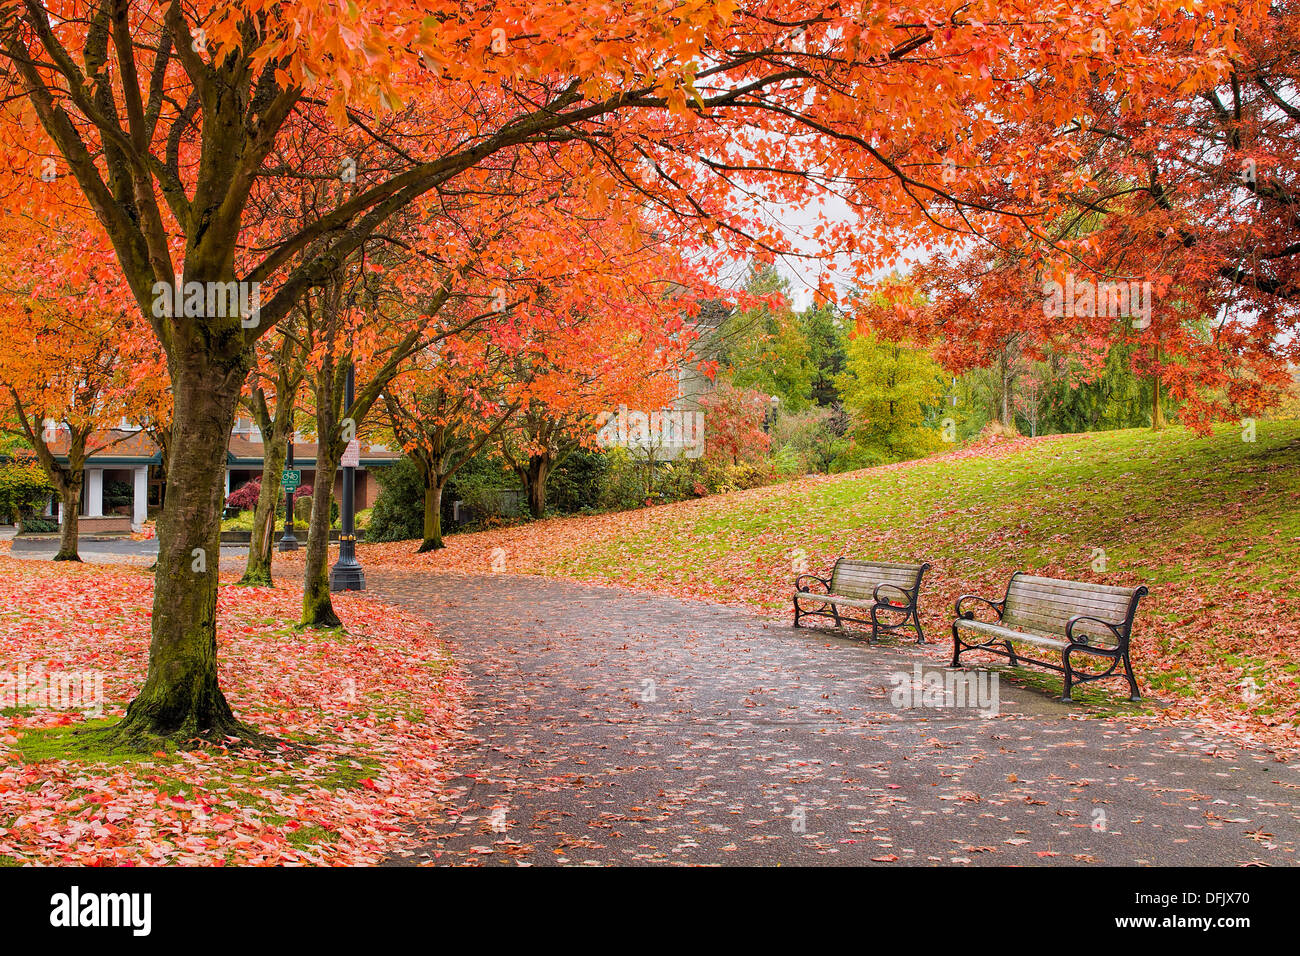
[[346, 575], [288, 542]]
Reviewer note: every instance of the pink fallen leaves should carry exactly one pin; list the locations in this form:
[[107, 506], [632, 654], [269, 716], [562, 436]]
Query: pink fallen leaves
[[377, 707]]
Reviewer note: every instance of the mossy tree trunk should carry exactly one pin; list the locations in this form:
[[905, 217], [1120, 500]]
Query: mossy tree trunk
[[1158, 421], [289, 363], [181, 699], [69, 489], [434, 482], [317, 608], [534, 476], [258, 569], [327, 388]]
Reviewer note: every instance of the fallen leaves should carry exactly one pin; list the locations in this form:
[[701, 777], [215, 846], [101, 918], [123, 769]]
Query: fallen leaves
[[372, 711]]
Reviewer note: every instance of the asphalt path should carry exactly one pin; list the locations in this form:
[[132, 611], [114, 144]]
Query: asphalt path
[[617, 727]]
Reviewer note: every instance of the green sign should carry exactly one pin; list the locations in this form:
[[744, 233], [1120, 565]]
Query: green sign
[[290, 480]]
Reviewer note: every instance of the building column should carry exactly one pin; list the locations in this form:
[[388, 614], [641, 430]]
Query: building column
[[94, 492], [140, 498]]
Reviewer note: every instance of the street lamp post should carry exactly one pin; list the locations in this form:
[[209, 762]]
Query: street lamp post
[[769, 419], [288, 541], [346, 575]]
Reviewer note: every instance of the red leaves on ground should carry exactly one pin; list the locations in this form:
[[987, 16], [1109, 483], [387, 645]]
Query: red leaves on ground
[[376, 708]]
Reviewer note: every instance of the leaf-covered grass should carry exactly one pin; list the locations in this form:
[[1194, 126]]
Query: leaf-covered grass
[[364, 717], [1210, 523]]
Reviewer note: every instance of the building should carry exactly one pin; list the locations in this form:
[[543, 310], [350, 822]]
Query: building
[[245, 455], [125, 478]]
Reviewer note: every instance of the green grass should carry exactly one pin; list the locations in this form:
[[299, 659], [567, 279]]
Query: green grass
[[79, 742], [244, 521], [1210, 523], [1146, 498]]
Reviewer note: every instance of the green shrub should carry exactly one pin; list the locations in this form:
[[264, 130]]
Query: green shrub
[[243, 521], [804, 441], [117, 494], [624, 486], [23, 487], [850, 456], [722, 477], [38, 524], [398, 513], [576, 484]]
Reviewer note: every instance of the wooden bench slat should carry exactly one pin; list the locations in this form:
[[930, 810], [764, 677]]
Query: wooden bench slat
[[876, 574], [1082, 590], [1036, 610], [1096, 633], [993, 630], [853, 583], [1060, 614]]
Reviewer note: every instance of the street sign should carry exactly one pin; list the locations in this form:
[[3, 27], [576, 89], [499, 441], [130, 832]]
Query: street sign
[[291, 479], [351, 455]]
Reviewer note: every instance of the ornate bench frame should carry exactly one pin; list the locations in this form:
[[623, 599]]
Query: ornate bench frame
[[899, 599], [1072, 596]]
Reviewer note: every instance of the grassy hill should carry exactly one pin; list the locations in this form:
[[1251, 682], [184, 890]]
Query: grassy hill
[[1210, 523]]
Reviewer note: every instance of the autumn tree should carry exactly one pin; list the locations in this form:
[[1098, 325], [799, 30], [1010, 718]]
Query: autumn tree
[[71, 367], [448, 409], [272, 395], [733, 423], [887, 389]]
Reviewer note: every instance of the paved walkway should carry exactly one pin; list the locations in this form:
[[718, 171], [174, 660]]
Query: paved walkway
[[622, 728]]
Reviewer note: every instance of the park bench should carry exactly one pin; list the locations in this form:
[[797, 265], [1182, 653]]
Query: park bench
[[879, 586], [1073, 617]]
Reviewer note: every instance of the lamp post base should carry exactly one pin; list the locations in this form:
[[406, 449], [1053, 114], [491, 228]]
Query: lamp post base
[[347, 578], [287, 541], [346, 575]]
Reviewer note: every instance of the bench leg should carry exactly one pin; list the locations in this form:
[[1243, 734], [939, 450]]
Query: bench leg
[[1069, 676], [956, 647], [1011, 653], [920, 634], [1132, 681], [796, 612], [836, 612]]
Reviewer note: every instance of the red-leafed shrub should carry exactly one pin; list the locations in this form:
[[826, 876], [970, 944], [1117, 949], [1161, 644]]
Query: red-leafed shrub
[[245, 496]]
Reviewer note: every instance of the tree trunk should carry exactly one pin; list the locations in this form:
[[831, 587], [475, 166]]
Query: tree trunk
[[1158, 421], [1005, 416], [538, 471], [433, 486], [180, 699], [70, 496], [258, 569], [317, 608]]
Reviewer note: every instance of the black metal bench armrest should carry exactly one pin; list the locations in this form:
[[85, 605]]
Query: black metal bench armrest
[[1120, 636], [907, 595], [798, 586], [996, 605]]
